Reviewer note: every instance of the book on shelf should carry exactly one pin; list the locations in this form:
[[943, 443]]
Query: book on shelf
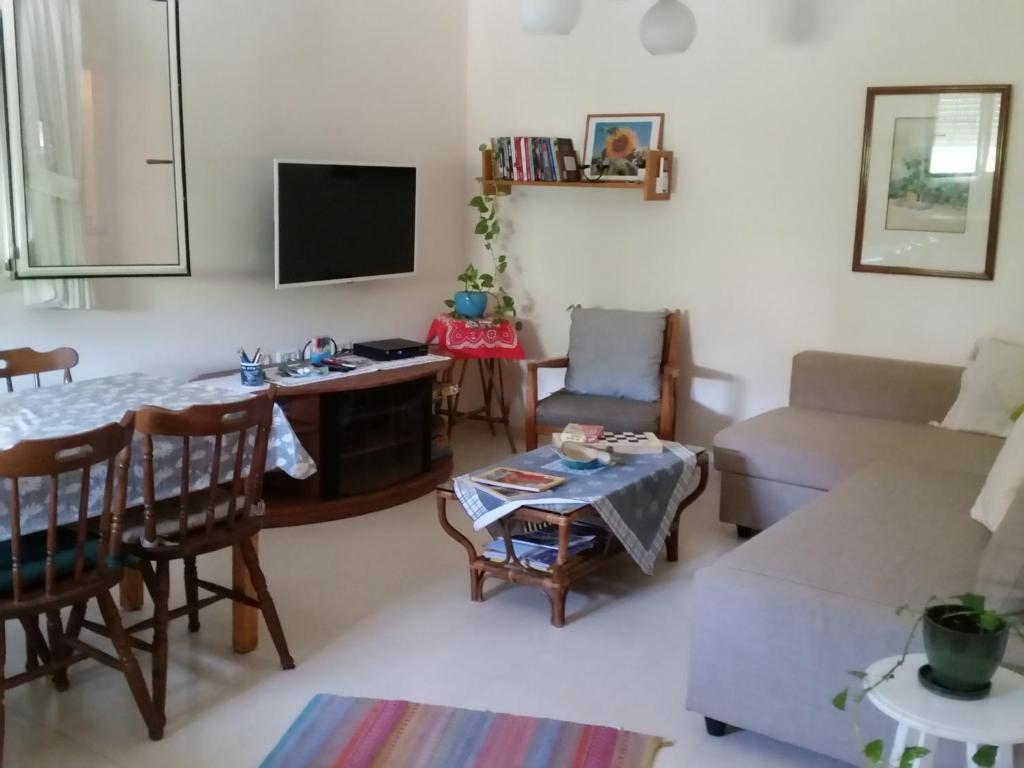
[[534, 158]]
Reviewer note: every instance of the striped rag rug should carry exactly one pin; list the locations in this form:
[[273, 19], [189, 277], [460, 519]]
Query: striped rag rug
[[342, 732]]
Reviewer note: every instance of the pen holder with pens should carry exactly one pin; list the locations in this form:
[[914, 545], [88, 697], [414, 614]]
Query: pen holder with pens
[[252, 374]]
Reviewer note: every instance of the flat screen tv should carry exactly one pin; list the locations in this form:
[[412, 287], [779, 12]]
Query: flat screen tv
[[340, 222]]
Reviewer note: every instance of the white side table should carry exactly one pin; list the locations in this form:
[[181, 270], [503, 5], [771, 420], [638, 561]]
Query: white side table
[[923, 717]]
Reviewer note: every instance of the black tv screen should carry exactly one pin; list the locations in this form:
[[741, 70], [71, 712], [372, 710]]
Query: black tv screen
[[344, 222]]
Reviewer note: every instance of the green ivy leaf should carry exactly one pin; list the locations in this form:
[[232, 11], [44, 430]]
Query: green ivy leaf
[[990, 621], [519, 325], [910, 754], [481, 228], [450, 303], [839, 700], [873, 750], [971, 601], [985, 757]]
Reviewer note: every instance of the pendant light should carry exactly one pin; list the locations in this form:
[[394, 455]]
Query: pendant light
[[549, 17], [668, 27]]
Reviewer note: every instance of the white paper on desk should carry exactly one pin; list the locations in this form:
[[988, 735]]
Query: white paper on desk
[[294, 381]]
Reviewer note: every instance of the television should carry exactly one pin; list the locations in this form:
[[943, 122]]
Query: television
[[341, 222]]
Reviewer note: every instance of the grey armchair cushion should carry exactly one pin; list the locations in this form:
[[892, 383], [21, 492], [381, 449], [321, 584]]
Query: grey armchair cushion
[[616, 353], [1001, 573], [613, 413]]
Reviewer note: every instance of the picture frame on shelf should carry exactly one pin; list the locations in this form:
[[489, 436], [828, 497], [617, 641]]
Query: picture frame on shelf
[[932, 166], [615, 145]]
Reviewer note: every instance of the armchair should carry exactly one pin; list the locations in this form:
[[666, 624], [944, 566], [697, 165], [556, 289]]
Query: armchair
[[587, 402]]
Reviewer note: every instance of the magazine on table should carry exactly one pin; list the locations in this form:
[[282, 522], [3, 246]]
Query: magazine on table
[[518, 479], [532, 555]]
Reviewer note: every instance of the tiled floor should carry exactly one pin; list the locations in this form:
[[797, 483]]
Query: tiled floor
[[379, 606]]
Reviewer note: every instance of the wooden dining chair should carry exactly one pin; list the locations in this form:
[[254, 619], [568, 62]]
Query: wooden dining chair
[[27, 362], [228, 513], [65, 566]]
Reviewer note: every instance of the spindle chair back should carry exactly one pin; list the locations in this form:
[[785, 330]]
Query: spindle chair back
[[28, 362]]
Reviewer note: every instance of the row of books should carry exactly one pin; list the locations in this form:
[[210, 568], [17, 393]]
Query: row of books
[[531, 158]]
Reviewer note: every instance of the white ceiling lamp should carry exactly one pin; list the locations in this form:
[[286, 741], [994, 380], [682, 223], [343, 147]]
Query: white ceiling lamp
[[668, 27], [549, 17]]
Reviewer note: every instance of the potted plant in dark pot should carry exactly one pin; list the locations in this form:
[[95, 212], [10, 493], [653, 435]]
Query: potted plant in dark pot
[[964, 642]]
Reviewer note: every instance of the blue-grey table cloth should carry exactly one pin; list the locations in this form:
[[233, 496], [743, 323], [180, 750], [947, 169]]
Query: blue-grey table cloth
[[66, 409], [636, 497]]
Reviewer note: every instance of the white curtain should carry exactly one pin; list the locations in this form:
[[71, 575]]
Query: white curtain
[[50, 52]]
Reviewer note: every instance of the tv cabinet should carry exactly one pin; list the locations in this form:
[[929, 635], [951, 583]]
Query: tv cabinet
[[370, 436]]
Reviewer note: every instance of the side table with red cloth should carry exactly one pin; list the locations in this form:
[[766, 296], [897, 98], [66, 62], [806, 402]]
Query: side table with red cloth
[[490, 341]]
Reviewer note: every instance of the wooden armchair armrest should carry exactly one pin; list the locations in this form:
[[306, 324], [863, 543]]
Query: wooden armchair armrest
[[670, 372], [548, 362], [530, 406]]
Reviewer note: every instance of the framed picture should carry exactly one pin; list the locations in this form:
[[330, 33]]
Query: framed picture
[[931, 180], [615, 145]]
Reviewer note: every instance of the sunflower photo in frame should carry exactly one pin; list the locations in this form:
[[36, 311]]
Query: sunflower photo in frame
[[615, 148]]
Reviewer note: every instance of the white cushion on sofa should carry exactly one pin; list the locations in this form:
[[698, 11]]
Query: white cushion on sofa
[[992, 388], [1003, 482]]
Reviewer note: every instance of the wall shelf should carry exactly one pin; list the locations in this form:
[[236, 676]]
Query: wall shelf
[[648, 187]]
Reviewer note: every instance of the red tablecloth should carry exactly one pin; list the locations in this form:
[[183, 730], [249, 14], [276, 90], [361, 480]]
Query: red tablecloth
[[476, 339]]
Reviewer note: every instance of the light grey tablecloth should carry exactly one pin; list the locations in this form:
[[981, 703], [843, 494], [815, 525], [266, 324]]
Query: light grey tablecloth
[[69, 408]]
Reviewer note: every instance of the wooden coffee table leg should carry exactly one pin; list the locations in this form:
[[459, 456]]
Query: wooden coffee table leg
[[476, 585], [132, 591], [672, 543], [557, 597], [245, 619]]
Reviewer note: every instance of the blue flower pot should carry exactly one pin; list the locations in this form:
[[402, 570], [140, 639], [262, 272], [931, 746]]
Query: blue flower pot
[[471, 303]]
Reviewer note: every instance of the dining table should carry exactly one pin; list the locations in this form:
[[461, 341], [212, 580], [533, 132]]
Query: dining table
[[65, 409]]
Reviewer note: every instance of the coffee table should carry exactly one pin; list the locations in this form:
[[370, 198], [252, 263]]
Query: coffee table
[[568, 569]]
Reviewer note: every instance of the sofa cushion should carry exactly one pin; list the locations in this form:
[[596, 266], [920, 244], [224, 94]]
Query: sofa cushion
[[32, 561], [1001, 573], [992, 389], [167, 512], [614, 413], [1003, 482], [616, 353], [820, 449], [892, 534]]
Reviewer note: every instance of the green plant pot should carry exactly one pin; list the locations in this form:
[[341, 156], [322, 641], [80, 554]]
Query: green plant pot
[[963, 657]]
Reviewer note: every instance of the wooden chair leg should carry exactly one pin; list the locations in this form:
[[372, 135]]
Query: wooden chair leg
[[192, 593], [130, 666], [59, 651], [259, 583], [161, 595], [36, 650]]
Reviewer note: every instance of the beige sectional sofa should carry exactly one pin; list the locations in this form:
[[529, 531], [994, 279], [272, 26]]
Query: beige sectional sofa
[[863, 507]]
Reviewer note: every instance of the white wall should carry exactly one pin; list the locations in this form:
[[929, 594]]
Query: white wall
[[363, 80], [765, 114]]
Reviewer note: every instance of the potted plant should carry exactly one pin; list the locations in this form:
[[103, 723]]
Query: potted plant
[[964, 641], [479, 287]]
